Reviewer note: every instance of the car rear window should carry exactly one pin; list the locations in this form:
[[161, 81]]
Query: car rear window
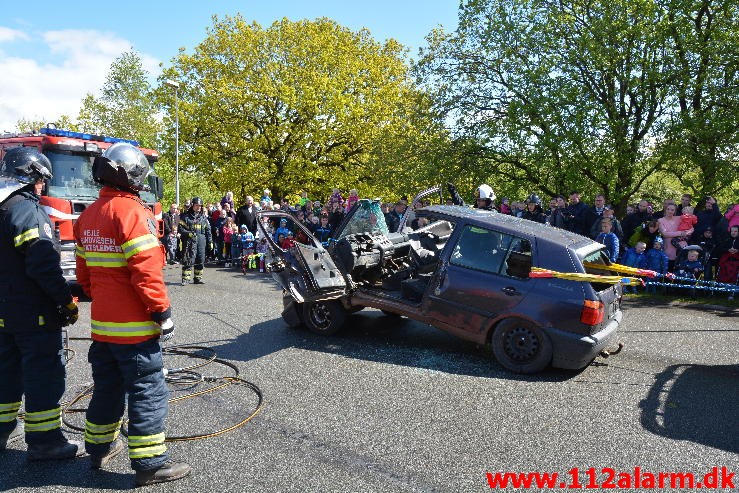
[[598, 257]]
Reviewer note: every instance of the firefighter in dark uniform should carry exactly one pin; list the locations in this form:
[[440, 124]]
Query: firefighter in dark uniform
[[196, 237], [35, 303], [119, 265]]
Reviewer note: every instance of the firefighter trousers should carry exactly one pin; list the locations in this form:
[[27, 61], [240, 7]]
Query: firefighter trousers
[[32, 364], [194, 255], [135, 371]]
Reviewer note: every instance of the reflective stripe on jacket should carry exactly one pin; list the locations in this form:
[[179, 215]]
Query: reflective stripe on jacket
[[119, 265]]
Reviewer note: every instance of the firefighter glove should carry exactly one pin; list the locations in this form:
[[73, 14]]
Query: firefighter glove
[[69, 313], [166, 330]]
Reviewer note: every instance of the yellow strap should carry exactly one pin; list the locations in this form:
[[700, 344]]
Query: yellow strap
[[576, 276], [624, 269], [26, 236]]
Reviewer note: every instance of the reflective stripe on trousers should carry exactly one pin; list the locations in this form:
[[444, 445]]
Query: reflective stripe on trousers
[[101, 434], [43, 420]]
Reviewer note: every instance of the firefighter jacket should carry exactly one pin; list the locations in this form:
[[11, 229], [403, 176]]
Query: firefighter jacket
[[32, 286], [193, 225], [119, 265]]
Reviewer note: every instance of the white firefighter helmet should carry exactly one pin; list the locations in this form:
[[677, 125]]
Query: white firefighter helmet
[[485, 191]]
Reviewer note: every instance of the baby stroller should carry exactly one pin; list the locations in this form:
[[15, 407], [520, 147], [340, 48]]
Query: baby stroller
[[689, 270]]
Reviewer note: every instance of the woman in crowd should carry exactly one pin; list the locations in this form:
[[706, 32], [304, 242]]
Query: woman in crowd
[[668, 228]]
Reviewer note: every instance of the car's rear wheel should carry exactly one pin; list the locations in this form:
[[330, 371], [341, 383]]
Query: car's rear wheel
[[324, 317], [521, 346]]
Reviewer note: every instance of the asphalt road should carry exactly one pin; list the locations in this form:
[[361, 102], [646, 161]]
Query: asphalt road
[[395, 406]]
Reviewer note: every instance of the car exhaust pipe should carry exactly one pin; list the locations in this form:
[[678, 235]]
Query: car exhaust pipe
[[611, 352]]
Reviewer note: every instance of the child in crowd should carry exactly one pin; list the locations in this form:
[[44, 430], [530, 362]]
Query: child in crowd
[[335, 199], [323, 232], [609, 239], [266, 197], [656, 260], [353, 199], [288, 242], [227, 239], [247, 247], [635, 257], [267, 225], [687, 219], [235, 246], [691, 267], [281, 230], [261, 252]]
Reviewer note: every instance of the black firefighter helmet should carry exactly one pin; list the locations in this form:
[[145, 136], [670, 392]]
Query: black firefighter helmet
[[20, 167], [123, 166]]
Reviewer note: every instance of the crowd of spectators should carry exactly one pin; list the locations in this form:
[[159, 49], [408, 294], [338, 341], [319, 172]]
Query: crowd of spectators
[[693, 240]]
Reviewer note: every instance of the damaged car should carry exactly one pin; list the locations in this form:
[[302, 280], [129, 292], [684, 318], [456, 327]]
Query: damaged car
[[463, 270]]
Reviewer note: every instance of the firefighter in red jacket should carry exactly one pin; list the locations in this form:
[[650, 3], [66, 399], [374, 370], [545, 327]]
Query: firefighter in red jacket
[[119, 265]]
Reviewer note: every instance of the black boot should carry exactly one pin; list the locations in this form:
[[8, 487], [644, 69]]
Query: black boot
[[169, 471], [8, 438], [100, 461], [66, 449], [198, 281]]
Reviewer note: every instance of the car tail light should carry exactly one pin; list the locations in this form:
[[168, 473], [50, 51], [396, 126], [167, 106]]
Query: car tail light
[[592, 312]]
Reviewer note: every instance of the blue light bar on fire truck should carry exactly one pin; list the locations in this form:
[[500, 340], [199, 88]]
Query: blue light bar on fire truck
[[54, 132]]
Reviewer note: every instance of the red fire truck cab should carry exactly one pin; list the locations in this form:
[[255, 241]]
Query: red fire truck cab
[[72, 188]]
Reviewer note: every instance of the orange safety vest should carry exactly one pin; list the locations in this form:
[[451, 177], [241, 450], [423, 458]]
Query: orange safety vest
[[119, 265]]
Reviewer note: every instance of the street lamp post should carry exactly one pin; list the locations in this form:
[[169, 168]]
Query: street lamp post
[[176, 86]]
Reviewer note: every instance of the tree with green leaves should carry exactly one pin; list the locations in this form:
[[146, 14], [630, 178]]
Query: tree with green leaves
[[702, 139], [25, 125], [126, 107], [306, 105], [561, 95]]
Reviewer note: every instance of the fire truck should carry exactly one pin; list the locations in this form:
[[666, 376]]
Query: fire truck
[[72, 188]]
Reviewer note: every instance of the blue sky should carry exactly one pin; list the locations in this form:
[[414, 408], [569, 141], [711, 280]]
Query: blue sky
[[54, 53]]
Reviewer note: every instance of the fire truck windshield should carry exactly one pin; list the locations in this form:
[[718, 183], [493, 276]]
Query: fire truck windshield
[[72, 175]]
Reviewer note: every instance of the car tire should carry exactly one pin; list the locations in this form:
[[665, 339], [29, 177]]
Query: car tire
[[293, 317], [324, 317], [521, 346]]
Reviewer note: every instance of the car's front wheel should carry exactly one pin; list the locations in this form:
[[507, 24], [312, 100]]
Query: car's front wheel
[[521, 346], [324, 317]]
